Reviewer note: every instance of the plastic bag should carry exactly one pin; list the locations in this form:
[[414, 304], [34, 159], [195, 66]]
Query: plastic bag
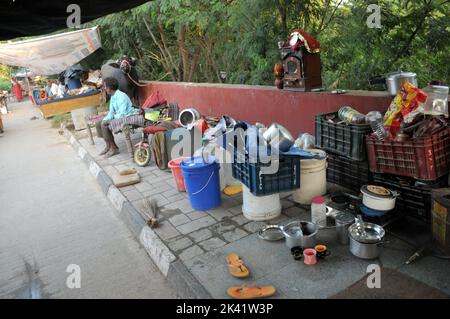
[[406, 101]]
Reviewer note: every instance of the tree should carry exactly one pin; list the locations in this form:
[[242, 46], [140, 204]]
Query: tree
[[198, 40]]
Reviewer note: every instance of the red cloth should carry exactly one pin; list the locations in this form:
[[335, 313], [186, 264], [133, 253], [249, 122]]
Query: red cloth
[[154, 129], [312, 46], [153, 100], [17, 89], [201, 125]]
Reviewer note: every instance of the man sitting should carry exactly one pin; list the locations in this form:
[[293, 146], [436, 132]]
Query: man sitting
[[51, 89], [120, 107]]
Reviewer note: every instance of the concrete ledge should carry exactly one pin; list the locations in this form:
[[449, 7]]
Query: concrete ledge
[[131, 217], [176, 272], [185, 284], [104, 181], [87, 159], [157, 250], [82, 152], [294, 110], [94, 169], [116, 198]]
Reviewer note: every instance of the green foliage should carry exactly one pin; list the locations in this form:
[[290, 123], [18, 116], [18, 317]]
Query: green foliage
[[4, 72], [196, 40], [59, 119], [5, 85]]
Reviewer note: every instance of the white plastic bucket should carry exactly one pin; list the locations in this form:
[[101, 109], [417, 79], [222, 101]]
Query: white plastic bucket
[[259, 208], [313, 179]]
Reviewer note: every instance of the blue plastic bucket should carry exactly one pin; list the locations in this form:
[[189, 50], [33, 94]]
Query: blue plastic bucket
[[202, 182]]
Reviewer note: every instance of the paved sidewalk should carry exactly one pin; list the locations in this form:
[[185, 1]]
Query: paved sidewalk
[[53, 214], [202, 239]]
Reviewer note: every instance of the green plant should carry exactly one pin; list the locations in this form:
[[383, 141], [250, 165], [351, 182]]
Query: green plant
[[5, 85], [59, 119]]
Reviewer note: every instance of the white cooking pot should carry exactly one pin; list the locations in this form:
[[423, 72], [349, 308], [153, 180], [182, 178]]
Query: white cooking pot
[[378, 198]]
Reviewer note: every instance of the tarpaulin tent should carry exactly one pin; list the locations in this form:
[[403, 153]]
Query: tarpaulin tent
[[22, 73], [21, 18], [51, 54]]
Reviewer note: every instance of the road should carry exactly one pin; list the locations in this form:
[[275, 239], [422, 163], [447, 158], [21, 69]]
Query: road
[[57, 230]]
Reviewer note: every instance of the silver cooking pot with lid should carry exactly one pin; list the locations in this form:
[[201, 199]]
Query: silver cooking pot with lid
[[394, 81], [367, 233], [366, 239]]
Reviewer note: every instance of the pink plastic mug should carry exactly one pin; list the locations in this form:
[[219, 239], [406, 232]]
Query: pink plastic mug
[[310, 256]]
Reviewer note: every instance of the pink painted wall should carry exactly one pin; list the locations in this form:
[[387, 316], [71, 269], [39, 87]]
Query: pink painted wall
[[294, 110]]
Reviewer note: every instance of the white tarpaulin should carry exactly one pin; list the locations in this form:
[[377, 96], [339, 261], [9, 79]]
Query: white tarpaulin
[[51, 54]]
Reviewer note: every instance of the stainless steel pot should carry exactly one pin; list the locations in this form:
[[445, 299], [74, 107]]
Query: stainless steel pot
[[366, 240], [279, 137], [300, 234], [394, 81], [188, 117], [343, 222]]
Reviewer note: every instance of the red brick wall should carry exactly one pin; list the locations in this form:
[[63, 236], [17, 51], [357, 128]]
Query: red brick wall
[[294, 110]]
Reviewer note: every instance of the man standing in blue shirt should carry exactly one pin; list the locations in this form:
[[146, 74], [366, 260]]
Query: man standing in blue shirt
[[120, 106]]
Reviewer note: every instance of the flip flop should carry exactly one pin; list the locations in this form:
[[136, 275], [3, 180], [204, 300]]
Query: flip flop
[[236, 266], [251, 292], [232, 190]]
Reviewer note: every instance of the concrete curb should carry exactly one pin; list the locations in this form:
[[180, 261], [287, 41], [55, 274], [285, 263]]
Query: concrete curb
[[185, 284]]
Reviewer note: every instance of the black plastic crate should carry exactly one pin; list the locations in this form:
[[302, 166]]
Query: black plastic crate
[[342, 139], [252, 174], [347, 172], [415, 197]]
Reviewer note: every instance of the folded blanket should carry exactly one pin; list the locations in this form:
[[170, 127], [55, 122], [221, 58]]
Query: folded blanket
[[117, 125]]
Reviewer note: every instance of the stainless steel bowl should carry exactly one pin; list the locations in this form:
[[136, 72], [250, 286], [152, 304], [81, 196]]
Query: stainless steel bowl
[[306, 238]]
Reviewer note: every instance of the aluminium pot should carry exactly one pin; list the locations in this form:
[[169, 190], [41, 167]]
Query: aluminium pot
[[188, 117], [394, 81], [306, 238], [279, 137], [378, 198], [366, 240]]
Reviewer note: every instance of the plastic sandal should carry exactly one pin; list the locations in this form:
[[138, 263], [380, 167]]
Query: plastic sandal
[[232, 190], [251, 292], [236, 266]]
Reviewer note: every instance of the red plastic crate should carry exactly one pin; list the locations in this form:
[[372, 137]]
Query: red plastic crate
[[425, 158]]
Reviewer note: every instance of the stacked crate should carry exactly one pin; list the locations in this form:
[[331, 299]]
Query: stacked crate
[[346, 149], [251, 173], [414, 196], [262, 171], [413, 168]]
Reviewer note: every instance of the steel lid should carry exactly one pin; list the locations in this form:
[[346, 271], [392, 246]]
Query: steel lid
[[271, 233], [403, 74], [372, 233], [377, 191], [344, 218]]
